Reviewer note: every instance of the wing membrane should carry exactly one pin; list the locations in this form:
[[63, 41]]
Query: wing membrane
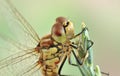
[[26, 56], [18, 21], [13, 59], [14, 43], [20, 58], [18, 62], [30, 70], [23, 21]]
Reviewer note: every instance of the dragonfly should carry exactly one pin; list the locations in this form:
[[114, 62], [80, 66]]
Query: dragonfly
[[50, 52]]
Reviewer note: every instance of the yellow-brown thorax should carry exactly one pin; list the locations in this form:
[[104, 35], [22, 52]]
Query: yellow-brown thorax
[[51, 55]]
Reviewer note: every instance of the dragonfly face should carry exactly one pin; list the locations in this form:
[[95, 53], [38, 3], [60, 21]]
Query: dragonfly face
[[62, 30]]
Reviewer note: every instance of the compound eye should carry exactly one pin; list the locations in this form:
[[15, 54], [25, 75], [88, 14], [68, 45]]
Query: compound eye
[[61, 19], [58, 33], [58, 29]]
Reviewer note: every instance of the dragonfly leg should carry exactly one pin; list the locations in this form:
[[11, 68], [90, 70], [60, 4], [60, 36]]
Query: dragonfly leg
[[69, 61], [81, 59], [77, 58], [91, 44], [61, 66], [80, 33]]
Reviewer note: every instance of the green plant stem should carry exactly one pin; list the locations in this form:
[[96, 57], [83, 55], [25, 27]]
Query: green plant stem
[[87, 68]]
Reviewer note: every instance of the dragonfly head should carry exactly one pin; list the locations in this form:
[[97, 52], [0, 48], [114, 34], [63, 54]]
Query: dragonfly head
[[62, 30]]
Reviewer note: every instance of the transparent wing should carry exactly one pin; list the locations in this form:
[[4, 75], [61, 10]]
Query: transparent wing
[[18, 55], [19, 63], [18, 24], [31, 70], [11, 42]]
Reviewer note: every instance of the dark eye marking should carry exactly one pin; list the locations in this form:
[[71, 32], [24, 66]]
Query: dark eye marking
[[67, 23], [65, 26]]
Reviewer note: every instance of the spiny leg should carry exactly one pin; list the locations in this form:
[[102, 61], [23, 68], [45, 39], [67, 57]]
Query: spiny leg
[[91, 44], [69, 61], [77, 57], [61, 66], [31, 69], [79, 33]]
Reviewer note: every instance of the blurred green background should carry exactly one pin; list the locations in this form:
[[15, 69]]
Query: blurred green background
[[102, 17]]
